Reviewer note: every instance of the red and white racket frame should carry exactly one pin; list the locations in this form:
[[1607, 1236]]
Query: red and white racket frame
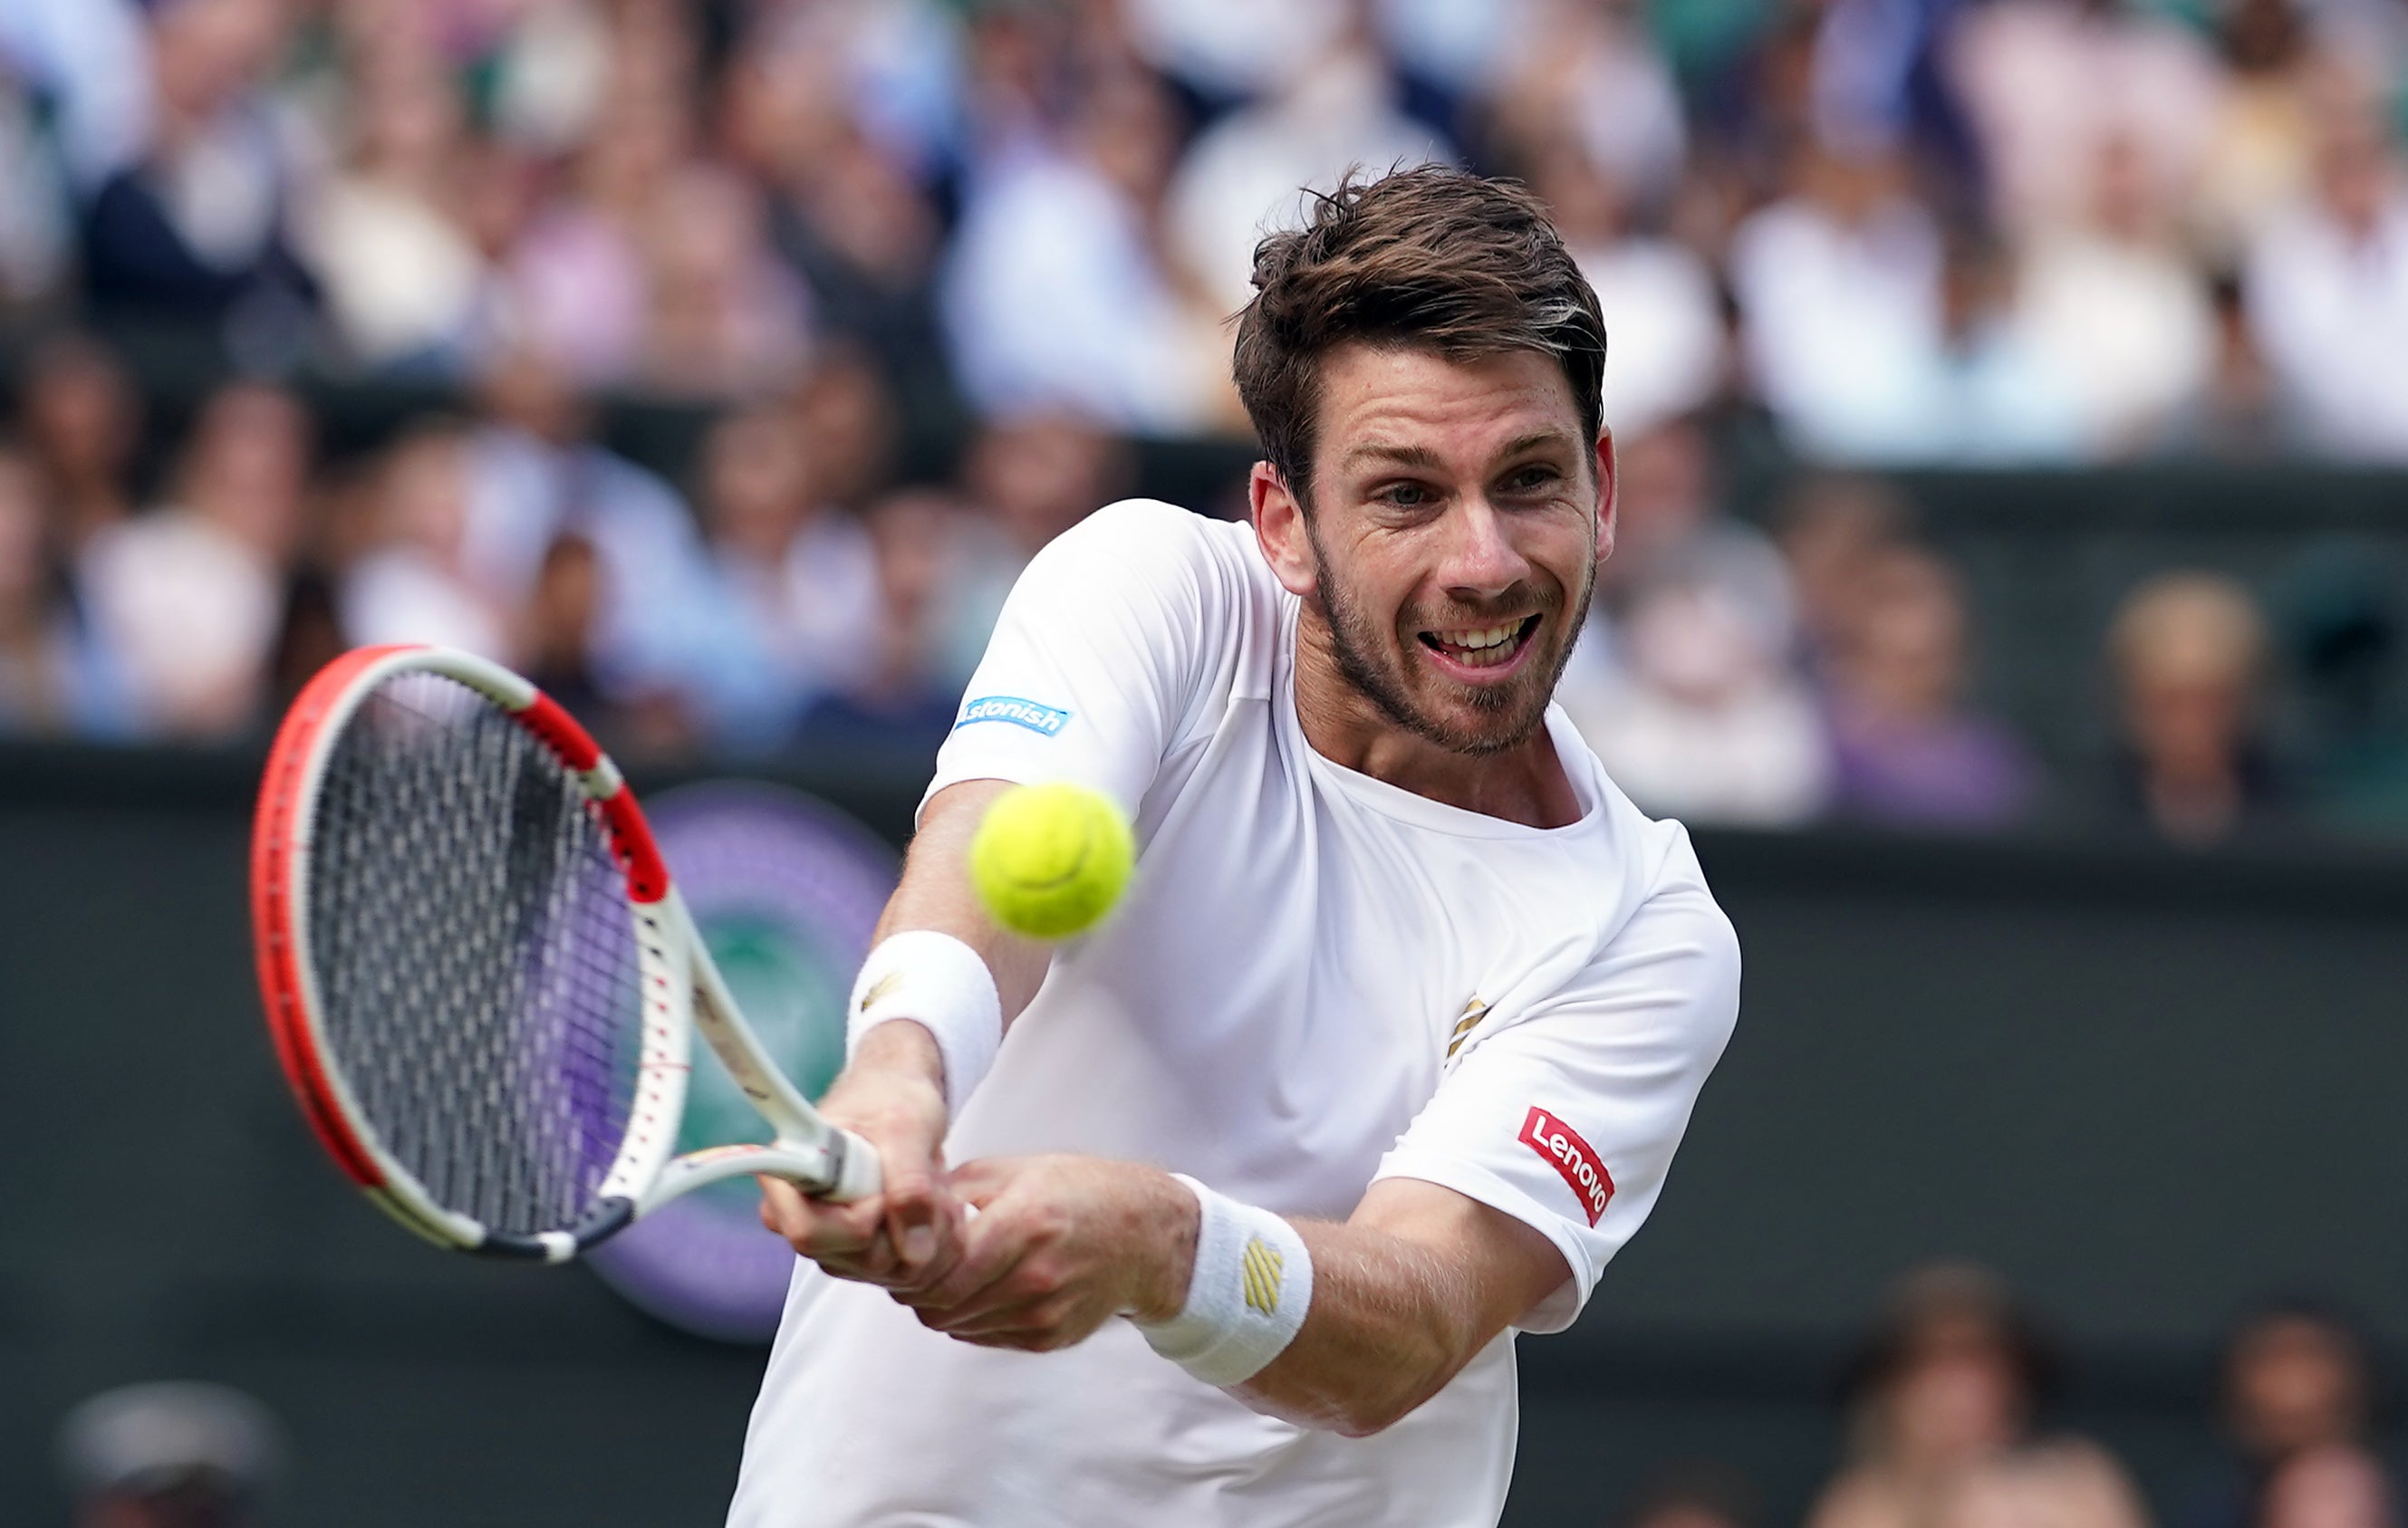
[[683, 988]]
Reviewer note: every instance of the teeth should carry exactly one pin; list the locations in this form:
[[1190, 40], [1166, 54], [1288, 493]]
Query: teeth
[[1493, 637]]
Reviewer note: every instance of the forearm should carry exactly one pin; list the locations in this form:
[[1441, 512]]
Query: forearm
[[1391, 1322], [1396, 1300]]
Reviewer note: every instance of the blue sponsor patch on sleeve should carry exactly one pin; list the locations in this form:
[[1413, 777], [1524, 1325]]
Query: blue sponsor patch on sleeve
[[1048, 719]]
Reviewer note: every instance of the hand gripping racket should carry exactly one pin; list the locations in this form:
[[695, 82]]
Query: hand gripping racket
[[481, 982]]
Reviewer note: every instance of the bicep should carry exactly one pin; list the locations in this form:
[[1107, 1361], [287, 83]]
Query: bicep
[[1504, 1266]]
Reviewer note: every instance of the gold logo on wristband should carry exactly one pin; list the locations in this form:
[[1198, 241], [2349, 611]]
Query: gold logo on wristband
[[1262, 1264], [884, 984]]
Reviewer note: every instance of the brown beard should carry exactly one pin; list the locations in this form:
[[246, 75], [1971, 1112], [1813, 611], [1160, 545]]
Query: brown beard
[[1353, 637]]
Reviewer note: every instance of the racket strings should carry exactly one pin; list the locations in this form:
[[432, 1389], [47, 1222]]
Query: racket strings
[[476, 955]]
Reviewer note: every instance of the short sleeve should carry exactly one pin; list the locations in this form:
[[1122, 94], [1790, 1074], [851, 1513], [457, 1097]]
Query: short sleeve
[[1098, 658], [1566, 1118]]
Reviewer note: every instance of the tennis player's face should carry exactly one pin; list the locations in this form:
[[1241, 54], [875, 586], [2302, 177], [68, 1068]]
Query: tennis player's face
[[1459, 511]]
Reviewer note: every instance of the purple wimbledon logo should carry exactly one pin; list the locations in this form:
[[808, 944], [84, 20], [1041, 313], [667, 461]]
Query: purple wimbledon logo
[[786, 891]]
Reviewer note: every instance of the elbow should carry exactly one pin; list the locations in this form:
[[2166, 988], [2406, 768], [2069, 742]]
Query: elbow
[[1382, 1397], [1365, 1420]]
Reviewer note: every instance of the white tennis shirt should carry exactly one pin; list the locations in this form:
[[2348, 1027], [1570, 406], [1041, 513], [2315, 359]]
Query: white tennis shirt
[[1317, 980]]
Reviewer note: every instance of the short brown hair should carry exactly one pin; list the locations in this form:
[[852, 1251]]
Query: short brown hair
[[1433, 257]]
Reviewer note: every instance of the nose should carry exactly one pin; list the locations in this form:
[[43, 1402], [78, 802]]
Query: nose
[[1481, 560]]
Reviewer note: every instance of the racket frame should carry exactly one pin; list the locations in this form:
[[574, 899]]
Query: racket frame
[[682, 987]]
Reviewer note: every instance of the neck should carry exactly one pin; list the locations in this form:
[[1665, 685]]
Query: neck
[[1525, 783]]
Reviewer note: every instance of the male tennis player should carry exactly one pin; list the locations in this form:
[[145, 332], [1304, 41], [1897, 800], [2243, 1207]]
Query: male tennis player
[[1411, 998]]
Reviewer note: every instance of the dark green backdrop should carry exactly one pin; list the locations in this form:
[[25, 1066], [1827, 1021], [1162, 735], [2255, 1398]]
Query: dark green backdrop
[[2146, 1086]]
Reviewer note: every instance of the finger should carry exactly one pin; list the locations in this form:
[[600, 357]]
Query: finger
[[992, 1246], [815, 1228], [920, 1215]]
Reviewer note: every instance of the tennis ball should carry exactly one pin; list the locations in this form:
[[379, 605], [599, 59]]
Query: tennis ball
[[1049, 861]]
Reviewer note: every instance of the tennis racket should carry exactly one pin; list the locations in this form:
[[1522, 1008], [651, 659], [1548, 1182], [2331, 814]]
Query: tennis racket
[[481, 982]]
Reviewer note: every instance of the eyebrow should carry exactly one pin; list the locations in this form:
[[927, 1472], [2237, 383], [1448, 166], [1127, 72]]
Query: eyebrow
[[1403, 456], [1534, 440], [1425, 460]]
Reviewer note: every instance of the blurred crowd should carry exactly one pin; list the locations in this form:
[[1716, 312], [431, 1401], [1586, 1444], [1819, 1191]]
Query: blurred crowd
[[1951, 1403], [1950, 1406], [1002, 236], [1928, 230]]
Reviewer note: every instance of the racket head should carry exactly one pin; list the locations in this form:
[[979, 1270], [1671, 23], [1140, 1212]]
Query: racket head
[[472, 981]]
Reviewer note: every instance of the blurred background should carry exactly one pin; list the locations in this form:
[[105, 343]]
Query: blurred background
[[2013, 421]]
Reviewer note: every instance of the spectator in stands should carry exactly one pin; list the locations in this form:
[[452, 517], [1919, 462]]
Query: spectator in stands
[[1701, 715], [2116, 304], [1907, 751], [2330, 1486], [197, 228], [2328, 284], [2046, 82], [2187, 650], [576, 283], [1027, 480], [188, 597], [800, 572], [414, 585], [2260, 149], [563, 613], [54, 679], [901, 706], [534, 475], [1058, 293], [852, 429], [1832, 527], [1329, 110], [2297, 1385], [1692, 1497], [724, 318], [1984, 391], [1942, 1399], [867, 240], [1593, 73], [1658, 298], [82, 421], [35, 220], [2238, 411], [170, 1455], [406, 287], [1669, 522], [1839, 285]]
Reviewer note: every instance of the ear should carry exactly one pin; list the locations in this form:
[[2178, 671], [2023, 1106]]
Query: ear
[[1608, 499], [1279, 530]]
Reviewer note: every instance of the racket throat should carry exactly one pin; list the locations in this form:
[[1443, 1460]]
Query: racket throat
[[606, 1219]]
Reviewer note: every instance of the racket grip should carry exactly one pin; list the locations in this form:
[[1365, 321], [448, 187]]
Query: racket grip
[[857, 1172]]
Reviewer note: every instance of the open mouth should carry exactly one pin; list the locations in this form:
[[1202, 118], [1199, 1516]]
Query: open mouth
[[1482, 647]]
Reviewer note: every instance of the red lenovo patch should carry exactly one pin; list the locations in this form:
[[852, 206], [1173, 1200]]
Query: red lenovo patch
[[1571, 1156]]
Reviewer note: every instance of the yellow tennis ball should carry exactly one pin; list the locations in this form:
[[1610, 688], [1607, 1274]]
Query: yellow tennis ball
[[1049, 861]]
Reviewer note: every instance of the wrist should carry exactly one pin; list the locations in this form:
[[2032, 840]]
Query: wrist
[[931, 982], [902, 1047], [1172, 1218], [1250, 1283]]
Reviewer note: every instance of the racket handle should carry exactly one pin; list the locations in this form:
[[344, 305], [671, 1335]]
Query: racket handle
[[858, 1173]]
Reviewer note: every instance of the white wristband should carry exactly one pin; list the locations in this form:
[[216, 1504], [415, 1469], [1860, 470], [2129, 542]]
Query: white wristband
[[1247, 1298], [940, 982]]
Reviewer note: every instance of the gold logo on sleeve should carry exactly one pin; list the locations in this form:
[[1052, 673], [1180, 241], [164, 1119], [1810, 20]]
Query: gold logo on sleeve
[[1262, 1263], [1473, 1012]]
